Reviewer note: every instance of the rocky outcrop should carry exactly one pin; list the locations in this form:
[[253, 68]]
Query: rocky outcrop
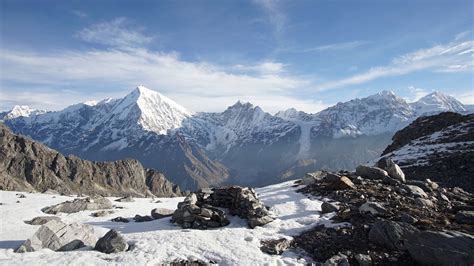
[[77, 205], [40, 220], [439, 147], [191, 215], [59, 236], [26, 165]]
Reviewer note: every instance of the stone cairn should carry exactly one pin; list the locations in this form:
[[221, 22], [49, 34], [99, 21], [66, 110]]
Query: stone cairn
[[200, 210]]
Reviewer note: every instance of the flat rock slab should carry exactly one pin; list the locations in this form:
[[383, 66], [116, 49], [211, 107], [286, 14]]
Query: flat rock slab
[[59, 236], [40, 220], [77, 205]]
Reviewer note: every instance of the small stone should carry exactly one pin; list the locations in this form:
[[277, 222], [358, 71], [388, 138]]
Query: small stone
[[120, 220], [416, 191], [363, 260], [145, 218], [159, 213], [275, 246], [424, 203], [125, 199], [328, 207], [371, 172], [372, 207], [339, 260]]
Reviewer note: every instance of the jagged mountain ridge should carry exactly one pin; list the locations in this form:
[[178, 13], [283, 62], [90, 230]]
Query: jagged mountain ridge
[[242, 145], [26, 165]]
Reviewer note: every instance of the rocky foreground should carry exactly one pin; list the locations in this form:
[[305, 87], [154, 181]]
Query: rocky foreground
[[389, 220]]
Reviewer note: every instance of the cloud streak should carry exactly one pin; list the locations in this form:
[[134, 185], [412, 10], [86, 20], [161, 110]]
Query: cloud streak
[[451, 57], [115, 33]]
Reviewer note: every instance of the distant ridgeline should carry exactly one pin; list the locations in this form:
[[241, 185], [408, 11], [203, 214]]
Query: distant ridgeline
[[242, 145]]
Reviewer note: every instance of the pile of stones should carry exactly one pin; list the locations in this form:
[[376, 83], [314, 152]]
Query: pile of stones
[[241, 201], [191, 215], [200, 210]]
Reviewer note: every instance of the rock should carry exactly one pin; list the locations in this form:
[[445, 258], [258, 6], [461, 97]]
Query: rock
[[465, 217], [21, 196], [126, 199], [101, 213], [275, 246], [312, 178], [145, 218], [391, 235], [394, 171], [327, 207], [406, 218], [159, 213], [120, 220], [340, 183], [372, 207], [40, 220], [77, 205], [259, 221], [339, 260], [432, 184], [112, 242], [57, 235], [371, 172], [363, 260], [441, 248], [424, 203], [416, 191]]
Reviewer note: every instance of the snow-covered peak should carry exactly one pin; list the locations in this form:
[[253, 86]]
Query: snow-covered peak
[[437, 102], [21, 111]]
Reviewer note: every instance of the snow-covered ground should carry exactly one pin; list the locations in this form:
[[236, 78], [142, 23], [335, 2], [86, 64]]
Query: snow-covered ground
[[160, 241]]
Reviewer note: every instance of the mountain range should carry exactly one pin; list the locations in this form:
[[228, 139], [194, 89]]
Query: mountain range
[[241, 145]]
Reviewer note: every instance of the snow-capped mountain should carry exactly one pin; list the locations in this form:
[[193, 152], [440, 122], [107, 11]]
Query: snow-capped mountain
[[436, 102], [20, 111], [202, 149]]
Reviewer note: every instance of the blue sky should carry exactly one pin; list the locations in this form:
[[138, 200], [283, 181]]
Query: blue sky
[[206, 55]]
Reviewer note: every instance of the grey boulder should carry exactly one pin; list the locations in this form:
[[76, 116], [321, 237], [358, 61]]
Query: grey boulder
[[328, 207], [391, 235], [416, 191], [59, 236], [373, 208], [441, 248], [371, 172], [275, 246], [112, 242]]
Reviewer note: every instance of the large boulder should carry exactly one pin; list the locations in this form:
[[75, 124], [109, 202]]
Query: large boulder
[[112, 242], [312, 178], [328, 207], [391, 235], [373, 208], [393, 170], [441, 248], [337, 182], [59, 236], [416, 191], [371, 172], [77, 205]]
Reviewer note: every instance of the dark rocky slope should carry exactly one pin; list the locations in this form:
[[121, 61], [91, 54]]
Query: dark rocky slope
[[438, 147], [26, 165]]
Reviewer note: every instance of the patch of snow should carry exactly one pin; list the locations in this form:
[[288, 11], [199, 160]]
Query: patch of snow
[[160, 241]]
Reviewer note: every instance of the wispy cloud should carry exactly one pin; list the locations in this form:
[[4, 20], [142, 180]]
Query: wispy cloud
[[416, 93], [274, 14], [462, 35], [191, 83], [79, 13], [336, 46], [452, 57], [118, 33]]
